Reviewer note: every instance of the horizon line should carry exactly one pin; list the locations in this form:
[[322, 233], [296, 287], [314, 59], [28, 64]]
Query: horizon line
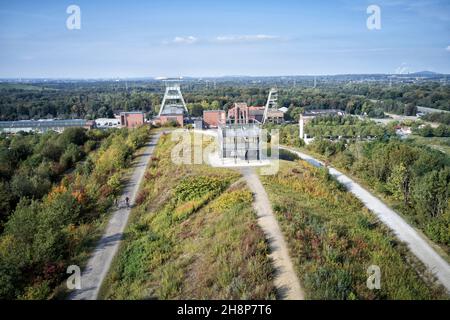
[[181, 78]]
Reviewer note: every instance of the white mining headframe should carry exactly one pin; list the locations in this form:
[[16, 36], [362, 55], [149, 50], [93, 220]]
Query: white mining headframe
[[173, 101]]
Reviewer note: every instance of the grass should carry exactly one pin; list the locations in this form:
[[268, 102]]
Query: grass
[[193, 235], [333, 239]]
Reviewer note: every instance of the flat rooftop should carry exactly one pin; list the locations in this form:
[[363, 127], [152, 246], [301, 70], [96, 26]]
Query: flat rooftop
[[43, 123]]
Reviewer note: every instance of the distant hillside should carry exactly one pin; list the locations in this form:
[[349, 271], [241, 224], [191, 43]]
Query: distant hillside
[[425, 74]]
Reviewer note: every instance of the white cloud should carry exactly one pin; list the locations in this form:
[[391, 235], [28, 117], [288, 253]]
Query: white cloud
[[187, 40], [183, 40], [246, 38], [448, 48]]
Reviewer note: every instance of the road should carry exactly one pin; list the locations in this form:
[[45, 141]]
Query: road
[[105, 250], [416, 243], [286, 281]]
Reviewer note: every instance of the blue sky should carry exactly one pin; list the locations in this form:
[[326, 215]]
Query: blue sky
[[215, 38]]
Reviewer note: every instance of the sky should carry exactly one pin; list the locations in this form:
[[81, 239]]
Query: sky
[[120, 39]]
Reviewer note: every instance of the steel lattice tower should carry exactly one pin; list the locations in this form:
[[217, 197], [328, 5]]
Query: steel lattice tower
[[272, 103], [173, 101]]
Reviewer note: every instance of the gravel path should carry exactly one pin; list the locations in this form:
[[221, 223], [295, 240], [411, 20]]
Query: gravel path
[[416, 243], [286, 281], [100, 261]]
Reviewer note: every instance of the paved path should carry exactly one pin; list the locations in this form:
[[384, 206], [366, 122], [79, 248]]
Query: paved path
[[418, 246], [100, 261], [286, 280]]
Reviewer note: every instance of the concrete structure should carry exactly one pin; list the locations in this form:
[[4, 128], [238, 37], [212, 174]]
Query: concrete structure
[[301, 126], [213, 118], [43, 125], [275, 116], [240, 137], [240, 141], [132, 119]]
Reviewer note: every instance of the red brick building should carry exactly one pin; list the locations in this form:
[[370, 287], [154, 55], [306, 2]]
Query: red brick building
[[131, 119], [244, 114], [239, 113], [212, 118], [165, 118]]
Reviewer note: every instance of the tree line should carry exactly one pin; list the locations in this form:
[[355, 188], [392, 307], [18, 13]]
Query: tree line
[[101, 99]]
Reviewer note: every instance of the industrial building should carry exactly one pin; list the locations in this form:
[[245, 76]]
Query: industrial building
[[240, 141], [132, 119], [262, 114], [44, 125], [239, 137], [213, 118]]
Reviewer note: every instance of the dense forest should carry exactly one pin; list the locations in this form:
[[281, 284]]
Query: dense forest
[[56, 213], [30, 164], [101, 99]]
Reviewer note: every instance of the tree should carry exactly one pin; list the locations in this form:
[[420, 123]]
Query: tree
[[398, 183], [441, 131], [5, 201], [431, 193], [197, 110], [215, 105], [426, 131]]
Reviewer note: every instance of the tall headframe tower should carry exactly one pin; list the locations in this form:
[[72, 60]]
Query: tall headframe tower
[[173, 101], [271, 105]]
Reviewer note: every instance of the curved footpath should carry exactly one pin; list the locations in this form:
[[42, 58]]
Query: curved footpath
[[100, 261], [416, 244]]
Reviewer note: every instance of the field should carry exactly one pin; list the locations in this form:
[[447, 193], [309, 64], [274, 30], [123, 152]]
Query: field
[[333, 239], [192, 235]]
